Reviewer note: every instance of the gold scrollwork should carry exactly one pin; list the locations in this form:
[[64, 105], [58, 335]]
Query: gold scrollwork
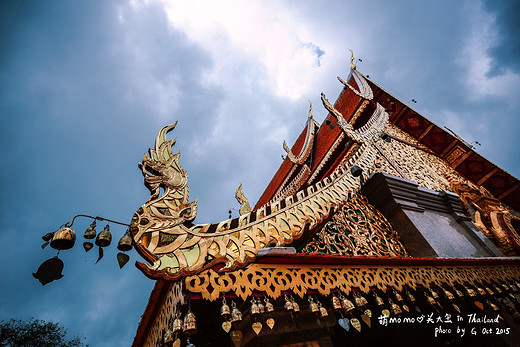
[[275, 279]]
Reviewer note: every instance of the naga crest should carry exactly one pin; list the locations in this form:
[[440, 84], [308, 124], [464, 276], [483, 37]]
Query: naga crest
[[162, 170]]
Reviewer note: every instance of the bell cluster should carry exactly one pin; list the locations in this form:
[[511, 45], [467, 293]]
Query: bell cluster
[[65, 238], [358, 309]]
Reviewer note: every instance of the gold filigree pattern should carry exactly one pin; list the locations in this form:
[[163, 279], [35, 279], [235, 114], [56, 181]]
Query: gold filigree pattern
[[357, 229], [424, 168], [174, 298], [273, 280]]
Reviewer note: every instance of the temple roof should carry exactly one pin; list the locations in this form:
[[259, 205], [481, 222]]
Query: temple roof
[[329, 148]]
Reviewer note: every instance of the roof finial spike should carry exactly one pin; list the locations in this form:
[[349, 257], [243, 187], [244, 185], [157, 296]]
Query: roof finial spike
[[310, 109], [352, 65]]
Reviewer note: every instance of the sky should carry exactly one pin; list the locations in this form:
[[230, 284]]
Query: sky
[[86, 85]]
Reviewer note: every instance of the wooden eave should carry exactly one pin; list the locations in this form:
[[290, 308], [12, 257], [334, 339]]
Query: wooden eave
[[455, 152]]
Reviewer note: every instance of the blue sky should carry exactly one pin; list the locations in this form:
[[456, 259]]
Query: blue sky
[[86, 85]]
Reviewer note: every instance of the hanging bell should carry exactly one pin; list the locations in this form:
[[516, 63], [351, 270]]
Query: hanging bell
[[190, 324], [396, 310], [313, 306], [104, 238], [360, 300], [90, 233], [481, 291], [225, 310], [236, 315], [398, 296], [497, 289], [434, 293], [346, 304], [323, 311], [431, 300], [471, 291], [254, 307], [379, 300], [261, 306], [410, 296], [177, 323], [490, 291], [295, 306], [125, 242], [336, 304], [459, 293], [288, 304], [63, 238], [449, 295], [268, 306]]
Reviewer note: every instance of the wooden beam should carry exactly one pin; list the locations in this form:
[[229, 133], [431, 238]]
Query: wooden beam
[[509, 191], [486, 176], [448, 148], [426, 131]]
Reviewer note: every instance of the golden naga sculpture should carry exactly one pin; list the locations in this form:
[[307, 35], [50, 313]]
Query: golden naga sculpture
[[176, 248], [242, 200], [309, 140]]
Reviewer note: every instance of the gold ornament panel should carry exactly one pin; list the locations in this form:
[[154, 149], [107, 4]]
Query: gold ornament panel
[[273, 280], [357, 228]]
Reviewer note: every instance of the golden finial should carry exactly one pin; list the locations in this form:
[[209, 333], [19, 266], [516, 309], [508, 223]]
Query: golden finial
[[352, 65], [310, 109]]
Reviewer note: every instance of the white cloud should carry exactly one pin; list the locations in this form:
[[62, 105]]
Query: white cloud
[[263, 33], [476, 60]]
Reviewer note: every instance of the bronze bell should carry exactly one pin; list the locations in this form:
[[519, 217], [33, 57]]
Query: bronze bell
[[448, 294], [398, 296], [323, 311], [434, 293], [177, 323], [347, 304], [490, 291], [288, 304], [459, 293], [497, 289], [360, 300], [471, 291], [481, 291], [336, 304], [90, 233], [268, 306], [379, 300], [190, 324], [104, 238], [396, 310], [431, 300], [410, 296], [261, 307], [125, 242], [313, 306], [493, 306], [225, 310], [295, 306], [254, 307], [236, 315], [63, 238]]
